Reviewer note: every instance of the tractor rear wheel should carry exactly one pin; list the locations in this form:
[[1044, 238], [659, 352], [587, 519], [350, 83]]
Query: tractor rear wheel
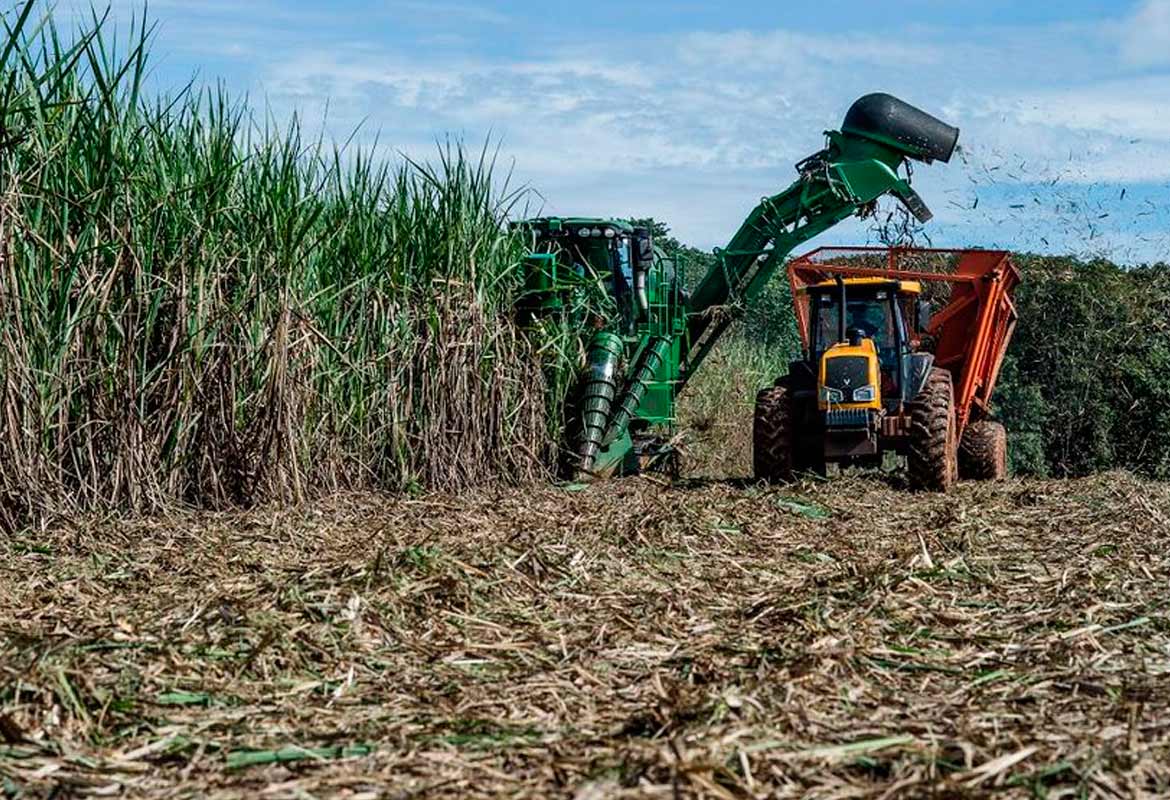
[[983, 452], [933, 460], [772, 438]]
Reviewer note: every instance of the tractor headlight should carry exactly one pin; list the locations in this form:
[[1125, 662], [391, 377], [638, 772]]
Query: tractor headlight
[[832, 395], [866, 394]]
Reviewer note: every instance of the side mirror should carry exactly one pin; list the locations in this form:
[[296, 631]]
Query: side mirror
[[643, 250], [643, 263], [924, 312]]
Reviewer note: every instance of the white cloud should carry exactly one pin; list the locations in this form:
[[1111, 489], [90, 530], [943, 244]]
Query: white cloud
[[1133, 107], [1145, 36], [761, 50]]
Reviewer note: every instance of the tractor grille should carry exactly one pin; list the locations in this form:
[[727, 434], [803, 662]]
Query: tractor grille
[[847, 373], [848, 419]]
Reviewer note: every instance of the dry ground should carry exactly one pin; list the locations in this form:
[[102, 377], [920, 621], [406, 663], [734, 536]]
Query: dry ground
[[627, 640]]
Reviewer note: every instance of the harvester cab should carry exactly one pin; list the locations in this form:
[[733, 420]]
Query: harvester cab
[[611, 259]]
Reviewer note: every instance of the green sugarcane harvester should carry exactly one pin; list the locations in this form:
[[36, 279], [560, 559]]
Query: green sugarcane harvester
[[641, 356]]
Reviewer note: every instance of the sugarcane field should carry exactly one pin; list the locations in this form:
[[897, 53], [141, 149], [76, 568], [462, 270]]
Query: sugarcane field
[[660, 400]]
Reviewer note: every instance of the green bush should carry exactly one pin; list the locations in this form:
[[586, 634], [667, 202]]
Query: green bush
[[1087, 384]]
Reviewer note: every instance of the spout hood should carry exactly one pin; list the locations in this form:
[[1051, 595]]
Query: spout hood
[[894, 123]]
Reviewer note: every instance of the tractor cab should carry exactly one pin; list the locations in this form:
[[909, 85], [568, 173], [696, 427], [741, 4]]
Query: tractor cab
[[860, 341]]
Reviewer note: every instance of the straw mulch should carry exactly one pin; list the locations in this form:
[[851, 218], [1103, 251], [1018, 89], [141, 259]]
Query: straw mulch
[[633, 639]]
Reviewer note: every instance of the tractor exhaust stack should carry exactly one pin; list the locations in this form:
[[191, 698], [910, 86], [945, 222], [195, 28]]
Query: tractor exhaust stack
[[842, 333]]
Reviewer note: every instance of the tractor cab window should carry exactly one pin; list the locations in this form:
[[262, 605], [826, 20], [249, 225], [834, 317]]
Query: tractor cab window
[[870, 315]]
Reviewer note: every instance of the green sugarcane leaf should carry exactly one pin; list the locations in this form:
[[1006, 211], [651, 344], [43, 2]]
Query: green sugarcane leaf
[[803, 507], [184, 699], [254, 758]]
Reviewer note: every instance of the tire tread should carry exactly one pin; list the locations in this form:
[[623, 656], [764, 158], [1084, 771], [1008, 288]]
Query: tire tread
[[933, 458]]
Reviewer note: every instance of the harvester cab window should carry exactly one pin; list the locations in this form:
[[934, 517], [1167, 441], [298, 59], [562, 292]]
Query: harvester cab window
[[569, 255], [604, 256], [578, 256], [622, 265], [622, 258]]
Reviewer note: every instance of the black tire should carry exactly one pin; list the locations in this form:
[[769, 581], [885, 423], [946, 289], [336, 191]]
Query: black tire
[[983, 452], [933, 462], [772, 435]]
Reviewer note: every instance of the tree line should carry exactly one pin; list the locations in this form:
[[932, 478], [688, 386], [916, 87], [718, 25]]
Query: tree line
[[1086, 384]]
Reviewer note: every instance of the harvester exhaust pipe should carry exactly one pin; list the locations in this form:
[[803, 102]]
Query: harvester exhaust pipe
[[643, 263], [894, 123]]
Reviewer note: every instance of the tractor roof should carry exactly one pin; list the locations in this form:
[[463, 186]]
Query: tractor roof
[[902, 287]]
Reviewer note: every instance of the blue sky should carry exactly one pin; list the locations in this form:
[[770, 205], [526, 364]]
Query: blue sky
[[692, 111]]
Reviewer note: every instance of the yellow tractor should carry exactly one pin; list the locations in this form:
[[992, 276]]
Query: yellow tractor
[[880, 373]]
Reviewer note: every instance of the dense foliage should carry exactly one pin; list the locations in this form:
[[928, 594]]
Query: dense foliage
[[1087, 383]]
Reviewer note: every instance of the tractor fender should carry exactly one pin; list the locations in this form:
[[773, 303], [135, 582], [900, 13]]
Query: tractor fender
[[920, 366]]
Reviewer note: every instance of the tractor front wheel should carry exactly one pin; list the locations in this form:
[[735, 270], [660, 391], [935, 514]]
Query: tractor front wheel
[[983, 452], [772, 435], [933, 459]]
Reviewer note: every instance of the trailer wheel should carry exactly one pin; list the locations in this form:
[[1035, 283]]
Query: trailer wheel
[[933, 459], [772, 435], [983, 452]]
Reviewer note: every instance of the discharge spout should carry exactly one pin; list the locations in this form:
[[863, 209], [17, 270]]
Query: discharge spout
[[895, 123]]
